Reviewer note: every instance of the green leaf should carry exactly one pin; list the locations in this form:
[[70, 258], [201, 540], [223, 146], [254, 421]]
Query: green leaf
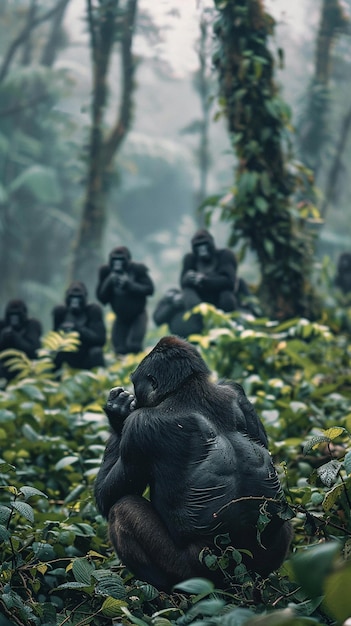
[[337, 600], [196, 586], [111, 585], [4, 533], [332, 496], [65, 461], [74, 494], [28, 492], [41, 181], [24, 509], [347, 462], [6, 416], [312, 565], [112, 607], [83, 571], [329, 472]]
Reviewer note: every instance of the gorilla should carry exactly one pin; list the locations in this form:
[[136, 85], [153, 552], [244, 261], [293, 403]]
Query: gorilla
[[125, 285], [209, 274], [171, 310], [343, 272], [203, 451], [18, 331], [87, 320]]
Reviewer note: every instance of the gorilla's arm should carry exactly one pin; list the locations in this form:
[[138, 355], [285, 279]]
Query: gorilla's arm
[[223, 277], [105, 284], [117, 478], [246, 419], [27, 339], [93, 333], [139, 280], [189, 264], [58, 315]]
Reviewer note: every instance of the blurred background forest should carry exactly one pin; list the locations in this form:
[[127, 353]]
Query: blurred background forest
[[140, 101]]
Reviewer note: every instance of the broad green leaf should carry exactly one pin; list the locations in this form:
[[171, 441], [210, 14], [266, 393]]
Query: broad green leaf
[[312, 565], [41, 181], [24, 509], [28, 492], [337, 598], [111, 585], [196, 586], [4, 533], [347, 462], [83, 571], [65, 461], [112, 607], [329, 472]]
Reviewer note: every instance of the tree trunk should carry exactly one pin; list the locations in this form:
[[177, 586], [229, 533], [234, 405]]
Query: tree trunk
[[103, 31], [261, 212]]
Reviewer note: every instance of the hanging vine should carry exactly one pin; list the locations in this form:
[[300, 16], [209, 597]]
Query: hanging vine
[[261, 213]]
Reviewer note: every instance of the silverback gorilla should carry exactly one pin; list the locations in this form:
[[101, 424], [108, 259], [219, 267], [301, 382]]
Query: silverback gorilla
[[203, 451], [20, 332], [125, 285], [208, 274], [87, 320]]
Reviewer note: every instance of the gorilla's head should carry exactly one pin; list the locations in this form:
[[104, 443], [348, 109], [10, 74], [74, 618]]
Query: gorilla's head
[[76, 296], [16, 313], [165, 369], [203, 245], [119, 259]]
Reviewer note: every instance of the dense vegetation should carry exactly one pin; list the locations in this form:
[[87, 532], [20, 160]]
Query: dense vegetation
[[56, 565]]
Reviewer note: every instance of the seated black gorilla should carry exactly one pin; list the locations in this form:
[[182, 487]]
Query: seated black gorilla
[[203, 451], [208, 274], [87, 320], [125, 285], [20, 332], [171, 309], [343, 272]]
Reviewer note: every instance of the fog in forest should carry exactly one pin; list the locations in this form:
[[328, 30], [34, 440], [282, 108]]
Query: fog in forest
[[154, 182]]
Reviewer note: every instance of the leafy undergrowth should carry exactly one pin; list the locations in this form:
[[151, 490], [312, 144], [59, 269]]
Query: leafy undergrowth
[[56, 564]]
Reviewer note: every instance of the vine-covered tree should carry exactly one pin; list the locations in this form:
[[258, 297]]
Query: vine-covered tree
[[261, 212], [108, 22]]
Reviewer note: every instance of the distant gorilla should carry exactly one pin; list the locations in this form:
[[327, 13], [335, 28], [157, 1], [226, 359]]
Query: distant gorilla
[[171, 309], [343, 272], [203, 451], [19, 332], [208, 274], [125, 285], [86, 319]]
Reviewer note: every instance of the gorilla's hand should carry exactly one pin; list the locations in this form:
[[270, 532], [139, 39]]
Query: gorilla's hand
[[193, 278], [67, 327], [119, 405]]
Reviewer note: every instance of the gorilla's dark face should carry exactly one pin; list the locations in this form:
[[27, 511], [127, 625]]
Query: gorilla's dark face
[[75, 303], [16, 314], [76, 297], [203, 251], [118, 264], [164, 370]]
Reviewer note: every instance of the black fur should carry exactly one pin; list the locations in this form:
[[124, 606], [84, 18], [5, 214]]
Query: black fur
[[86, 319], [200, 447], [20, 332], [126, 291]]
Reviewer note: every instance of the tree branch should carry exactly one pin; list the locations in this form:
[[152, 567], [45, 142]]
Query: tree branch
[[119, 130], [21, 37], [336, 165]]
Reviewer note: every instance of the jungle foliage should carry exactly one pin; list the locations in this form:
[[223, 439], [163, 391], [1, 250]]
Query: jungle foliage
[[57, 566]]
